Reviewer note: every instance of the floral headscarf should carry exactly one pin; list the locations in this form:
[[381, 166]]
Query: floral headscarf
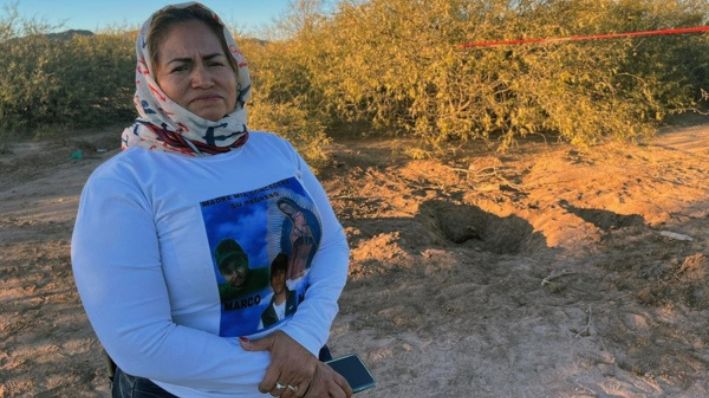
[[164, 125]]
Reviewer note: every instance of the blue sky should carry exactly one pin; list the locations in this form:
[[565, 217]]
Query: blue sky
[[247, 15]]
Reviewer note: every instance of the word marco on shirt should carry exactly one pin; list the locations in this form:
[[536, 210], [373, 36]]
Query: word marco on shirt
[[262, 244]]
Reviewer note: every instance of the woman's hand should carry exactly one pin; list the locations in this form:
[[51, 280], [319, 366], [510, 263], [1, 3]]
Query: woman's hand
[[292, 367], [328, 383]]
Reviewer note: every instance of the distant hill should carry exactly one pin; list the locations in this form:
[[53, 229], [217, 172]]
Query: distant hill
[[69, 34], [65, 35], [254, 40]]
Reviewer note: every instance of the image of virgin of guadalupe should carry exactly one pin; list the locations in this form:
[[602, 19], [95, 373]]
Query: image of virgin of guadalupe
[[300, 236]]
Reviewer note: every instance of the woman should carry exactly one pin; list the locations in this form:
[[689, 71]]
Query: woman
[[299, 236], [146, 247]]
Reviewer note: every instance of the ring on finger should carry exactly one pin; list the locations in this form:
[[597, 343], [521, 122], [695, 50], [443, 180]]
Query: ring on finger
[[292, 388], [280, 386]]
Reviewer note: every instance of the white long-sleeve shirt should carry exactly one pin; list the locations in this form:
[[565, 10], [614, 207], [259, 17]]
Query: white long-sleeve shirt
[[146, 257]]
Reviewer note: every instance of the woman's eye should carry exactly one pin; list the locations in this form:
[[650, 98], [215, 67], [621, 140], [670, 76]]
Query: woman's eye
[[216, 64], [180, 68]]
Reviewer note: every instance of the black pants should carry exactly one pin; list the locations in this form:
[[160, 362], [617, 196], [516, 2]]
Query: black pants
[[127, 386]]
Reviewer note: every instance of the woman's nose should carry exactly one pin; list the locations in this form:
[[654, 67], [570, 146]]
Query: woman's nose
[[201, 78]]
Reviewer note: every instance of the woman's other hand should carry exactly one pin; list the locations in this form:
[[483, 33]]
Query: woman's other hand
[[292, 367], [328, 383]]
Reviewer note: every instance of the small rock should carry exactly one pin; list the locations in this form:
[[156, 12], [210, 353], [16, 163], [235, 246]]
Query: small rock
[[676, 236]]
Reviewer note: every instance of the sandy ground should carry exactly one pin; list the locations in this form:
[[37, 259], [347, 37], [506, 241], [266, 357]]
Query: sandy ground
[[544, 272]]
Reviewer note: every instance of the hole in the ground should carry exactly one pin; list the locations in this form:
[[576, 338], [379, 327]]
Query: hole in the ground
[[463, 223]]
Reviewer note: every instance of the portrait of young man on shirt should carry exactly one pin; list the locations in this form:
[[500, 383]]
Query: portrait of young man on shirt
[[284, 301]]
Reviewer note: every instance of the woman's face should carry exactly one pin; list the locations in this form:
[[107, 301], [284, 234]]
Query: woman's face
[[194, 71], [286, 208]]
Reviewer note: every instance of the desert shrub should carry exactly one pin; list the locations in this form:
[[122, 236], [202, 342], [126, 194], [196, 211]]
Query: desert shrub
[[286, 99], [74, 79], [396, 64], [292, 122], [97, 79], [395, 67]]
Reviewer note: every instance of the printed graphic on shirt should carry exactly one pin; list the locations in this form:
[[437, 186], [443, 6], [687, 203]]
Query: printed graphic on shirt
[[262, 244]]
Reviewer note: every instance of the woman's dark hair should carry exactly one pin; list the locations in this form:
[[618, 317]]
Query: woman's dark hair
[[288, 201], [170, 16]]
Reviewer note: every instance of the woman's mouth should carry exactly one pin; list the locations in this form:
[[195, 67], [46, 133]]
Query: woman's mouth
[[207, 98]]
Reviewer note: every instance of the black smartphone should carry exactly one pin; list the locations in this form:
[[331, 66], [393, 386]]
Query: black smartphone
[[354, 371]]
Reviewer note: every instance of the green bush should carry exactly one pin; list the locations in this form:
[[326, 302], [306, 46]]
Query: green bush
[[396, 63], [293, 123], [285, 99], [70, 80]]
